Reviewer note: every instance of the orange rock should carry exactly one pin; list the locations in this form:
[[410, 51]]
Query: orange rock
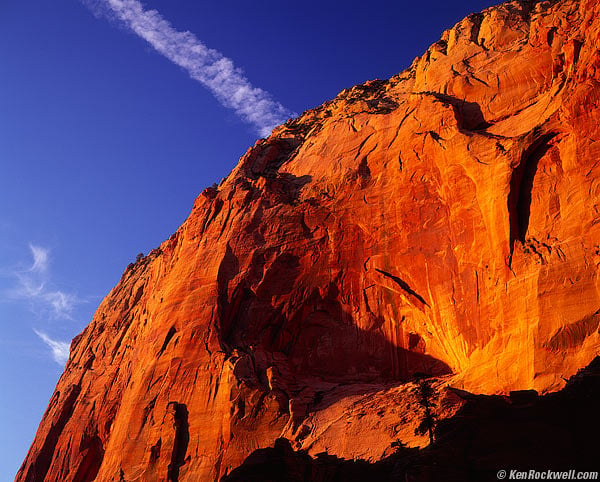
[[442, 222]]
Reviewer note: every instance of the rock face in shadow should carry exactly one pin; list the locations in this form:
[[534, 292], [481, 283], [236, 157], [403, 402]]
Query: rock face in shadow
[[442, 222], [522, 432]]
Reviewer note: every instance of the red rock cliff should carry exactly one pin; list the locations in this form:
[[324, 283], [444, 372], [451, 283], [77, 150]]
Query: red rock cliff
[[445, 221]]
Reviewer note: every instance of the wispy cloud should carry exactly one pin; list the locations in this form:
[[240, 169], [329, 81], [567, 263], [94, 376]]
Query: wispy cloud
[[40, 258], [209, 67], [60, 349], [33, 285]]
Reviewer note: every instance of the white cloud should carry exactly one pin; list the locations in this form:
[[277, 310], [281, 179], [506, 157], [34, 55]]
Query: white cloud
[[40, 258], [60, 349], [209, 67], [62, 303], [33, 285]]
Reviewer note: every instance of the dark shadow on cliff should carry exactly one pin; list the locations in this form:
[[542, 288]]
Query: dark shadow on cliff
[[314, 341], [521, 186], [468, 114], [523, 432], [281, 463]]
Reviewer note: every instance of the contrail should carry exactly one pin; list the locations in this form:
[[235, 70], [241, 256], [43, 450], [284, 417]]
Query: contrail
[[209, 67]]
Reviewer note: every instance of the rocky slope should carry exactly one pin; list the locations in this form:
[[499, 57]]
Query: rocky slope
[[442, 222]]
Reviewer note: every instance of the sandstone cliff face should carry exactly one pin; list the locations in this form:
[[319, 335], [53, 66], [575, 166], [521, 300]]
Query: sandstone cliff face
[[443, 222], [523, 431]]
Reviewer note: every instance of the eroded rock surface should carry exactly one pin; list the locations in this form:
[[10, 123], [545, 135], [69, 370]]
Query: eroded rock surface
[[556, 432], [443, 222]]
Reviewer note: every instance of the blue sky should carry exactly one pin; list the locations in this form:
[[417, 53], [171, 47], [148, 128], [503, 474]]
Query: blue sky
[[105, 143]]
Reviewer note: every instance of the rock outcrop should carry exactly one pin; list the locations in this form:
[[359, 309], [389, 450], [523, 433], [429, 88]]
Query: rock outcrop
[[557, 432], [444, 222]]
